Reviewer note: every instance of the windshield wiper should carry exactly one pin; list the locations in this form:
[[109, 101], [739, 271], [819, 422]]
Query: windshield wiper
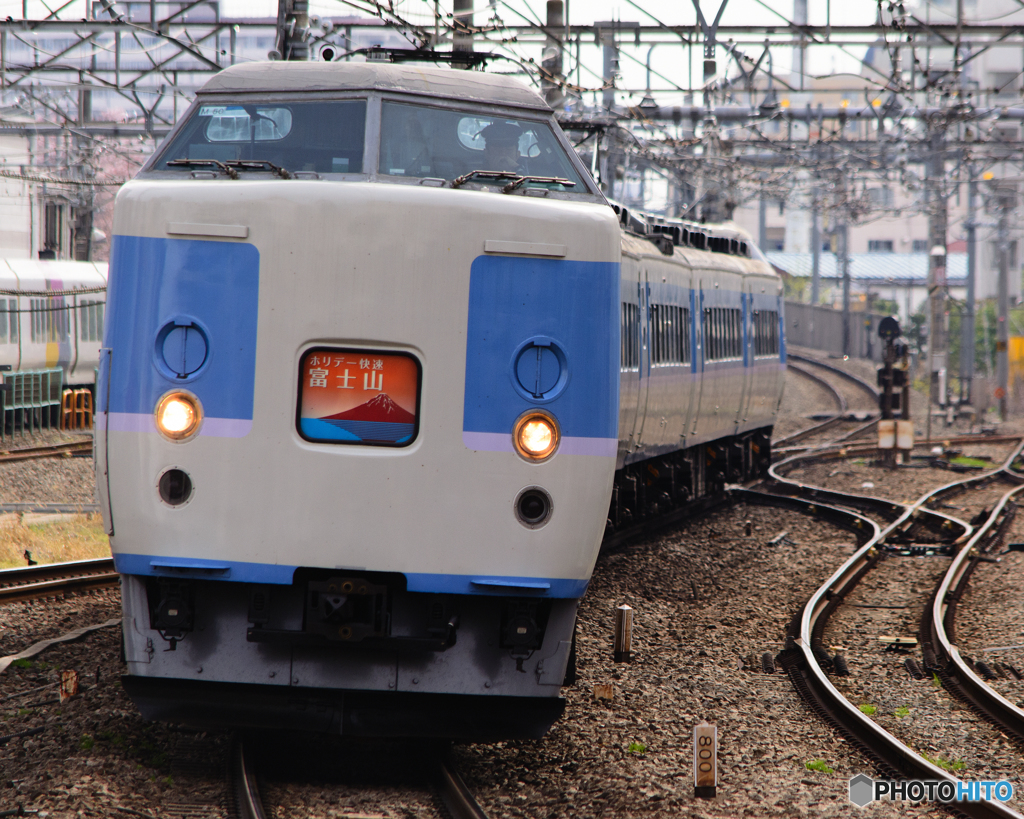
[[543, 180], [517, 180], [459, 181], [258, 165], [203, 163]]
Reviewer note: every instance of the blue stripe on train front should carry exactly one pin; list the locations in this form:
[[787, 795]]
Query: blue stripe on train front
[[569, 312], [160, 283], [274, 574]]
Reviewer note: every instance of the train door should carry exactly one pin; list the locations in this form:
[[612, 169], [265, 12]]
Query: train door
[[629, 357], [698, 347], [645, 355], [746, 311], [100, 447]]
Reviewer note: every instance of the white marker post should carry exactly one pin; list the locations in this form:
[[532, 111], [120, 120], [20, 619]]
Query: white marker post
[[705, 760]]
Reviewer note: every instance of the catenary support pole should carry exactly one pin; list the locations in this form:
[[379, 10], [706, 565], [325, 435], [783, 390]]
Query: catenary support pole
[[844, 264], [1006, 204], [967, 321], [815, 249]]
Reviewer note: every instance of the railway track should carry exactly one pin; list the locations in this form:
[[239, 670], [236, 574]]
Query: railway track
[[450, 788], [66, 449], [52, 579], [845, 415], [805, 659]]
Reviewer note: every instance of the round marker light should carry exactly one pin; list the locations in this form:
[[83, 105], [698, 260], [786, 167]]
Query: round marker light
[[178, 415], [536, 436]]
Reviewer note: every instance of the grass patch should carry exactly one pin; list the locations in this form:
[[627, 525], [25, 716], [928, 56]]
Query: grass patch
[[636, 748], [72, 537], [819, 765], [963, 460], [867, 708], [947, 764], [936, 682], [22, 663], [901, 712], [86, 743]]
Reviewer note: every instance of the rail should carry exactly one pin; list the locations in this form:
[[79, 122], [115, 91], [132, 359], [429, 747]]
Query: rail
[[32, 582], [451, 788], [800, 661]]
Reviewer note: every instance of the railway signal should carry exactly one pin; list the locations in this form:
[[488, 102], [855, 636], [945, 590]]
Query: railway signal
[[893, 434]]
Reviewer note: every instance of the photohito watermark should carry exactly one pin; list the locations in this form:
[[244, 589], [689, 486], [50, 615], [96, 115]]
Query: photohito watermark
[[864, 790]]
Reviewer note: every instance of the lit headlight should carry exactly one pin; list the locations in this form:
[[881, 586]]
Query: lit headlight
[[536, 435], [178, 415]]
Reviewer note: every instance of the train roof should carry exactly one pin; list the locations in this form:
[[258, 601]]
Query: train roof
[[269, 77]]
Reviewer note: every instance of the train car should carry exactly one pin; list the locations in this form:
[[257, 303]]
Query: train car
[[51, 315], [702, 363], [360, 425]]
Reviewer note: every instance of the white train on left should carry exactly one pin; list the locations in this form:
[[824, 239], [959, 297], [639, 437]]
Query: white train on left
[[382, 366], [52, 315]]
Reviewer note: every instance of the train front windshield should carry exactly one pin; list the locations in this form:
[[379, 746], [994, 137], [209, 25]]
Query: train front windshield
[[327, 137], [422, 141], [324, 137]]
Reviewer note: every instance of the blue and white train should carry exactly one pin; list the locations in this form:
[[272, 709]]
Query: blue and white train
[[381, 368]]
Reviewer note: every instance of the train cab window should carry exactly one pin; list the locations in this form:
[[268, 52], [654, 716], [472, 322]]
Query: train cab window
[[324, 137], [670, 335], [420, 141], [766, 333]]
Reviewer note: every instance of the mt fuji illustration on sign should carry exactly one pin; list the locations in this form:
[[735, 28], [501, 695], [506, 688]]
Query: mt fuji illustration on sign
[[379, 419], [358, 397]]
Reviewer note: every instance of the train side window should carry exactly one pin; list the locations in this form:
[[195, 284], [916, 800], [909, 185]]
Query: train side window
[[630, 337], [766, 333], [684, 328], [670, 336], [3, 321], [36, 324], [91, 321], [15, 322]]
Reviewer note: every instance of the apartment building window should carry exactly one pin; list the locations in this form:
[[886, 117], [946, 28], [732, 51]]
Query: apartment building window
[[775, 239], [879, 245], [880, 197], [920, 246], [994, 247]]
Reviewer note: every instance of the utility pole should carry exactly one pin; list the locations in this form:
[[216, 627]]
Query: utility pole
[[762, 219], [935, 169], [815, 250], [1007, 201], [293, 29], [844, 265], [551, 60], [967, 320], [462, 38], [610, 64]]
